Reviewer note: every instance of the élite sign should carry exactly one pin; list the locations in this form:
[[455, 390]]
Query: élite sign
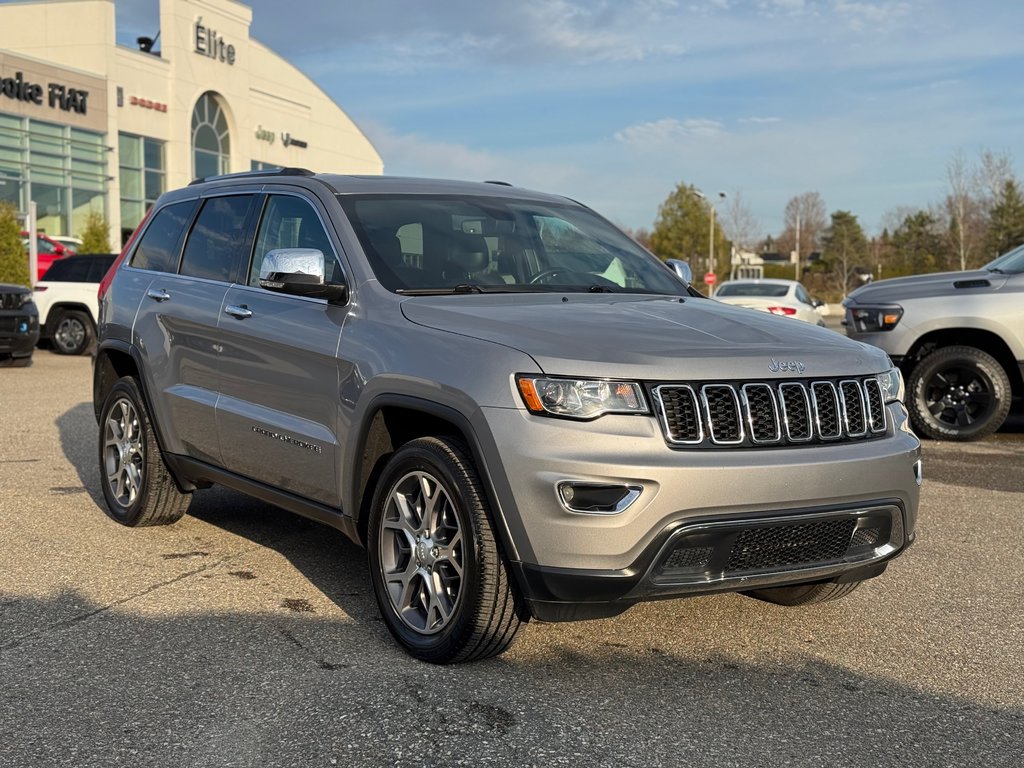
[[210, 44], [58, 96]]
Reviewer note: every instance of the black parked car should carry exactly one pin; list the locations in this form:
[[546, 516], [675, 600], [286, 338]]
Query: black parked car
[[19, 325]]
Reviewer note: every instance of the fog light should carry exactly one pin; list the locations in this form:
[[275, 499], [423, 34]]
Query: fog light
[[596, 498]]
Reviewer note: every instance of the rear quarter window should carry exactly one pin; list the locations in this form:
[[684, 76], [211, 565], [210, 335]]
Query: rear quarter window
[[158, 249]]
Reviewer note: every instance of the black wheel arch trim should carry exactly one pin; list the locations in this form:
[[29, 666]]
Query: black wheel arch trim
[[118, 345], [505, 515]]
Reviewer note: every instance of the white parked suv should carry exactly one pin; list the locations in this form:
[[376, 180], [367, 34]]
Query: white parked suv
[[66, 298]]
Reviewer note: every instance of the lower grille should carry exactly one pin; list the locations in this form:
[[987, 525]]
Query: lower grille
[[750, 414], [759, 549], [706, 553]]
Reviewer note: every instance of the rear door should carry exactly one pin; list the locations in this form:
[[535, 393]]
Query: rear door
[[278, 412], [176, 327]]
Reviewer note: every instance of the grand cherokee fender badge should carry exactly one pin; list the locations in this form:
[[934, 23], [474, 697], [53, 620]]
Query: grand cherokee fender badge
[[796, 366], [288, 439]]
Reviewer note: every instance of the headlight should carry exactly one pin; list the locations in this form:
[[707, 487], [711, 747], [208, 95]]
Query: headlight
[[580, 398], [891, 383], [872, 319]]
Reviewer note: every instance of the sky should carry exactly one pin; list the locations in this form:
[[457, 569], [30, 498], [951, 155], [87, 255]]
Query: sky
[[616, 102]]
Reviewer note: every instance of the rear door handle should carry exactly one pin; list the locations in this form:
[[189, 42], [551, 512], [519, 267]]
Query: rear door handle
[[241, 312], [158, 294]]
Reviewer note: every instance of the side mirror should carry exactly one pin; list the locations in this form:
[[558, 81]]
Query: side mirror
[[299, 272], [681, 269]]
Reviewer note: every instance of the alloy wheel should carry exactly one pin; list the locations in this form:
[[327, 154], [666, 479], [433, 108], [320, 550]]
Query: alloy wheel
[[421, 553], [122, 452]]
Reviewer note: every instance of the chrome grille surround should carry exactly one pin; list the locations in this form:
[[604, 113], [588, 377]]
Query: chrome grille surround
[[766, 414]]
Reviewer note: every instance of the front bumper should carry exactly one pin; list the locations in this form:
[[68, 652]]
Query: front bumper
[[573, 565], [729, 555], [19, 332]]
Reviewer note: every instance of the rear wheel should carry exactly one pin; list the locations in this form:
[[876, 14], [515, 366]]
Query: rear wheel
[[440, 579], [72, 333], [804, 594], [136, 484], [958, 393]]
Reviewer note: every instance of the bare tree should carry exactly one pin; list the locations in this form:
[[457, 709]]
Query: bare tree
[[960, 203], [994, 170], [805, 216], [741, 225]]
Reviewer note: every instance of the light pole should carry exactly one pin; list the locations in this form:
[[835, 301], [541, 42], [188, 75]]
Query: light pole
[[711, 227]]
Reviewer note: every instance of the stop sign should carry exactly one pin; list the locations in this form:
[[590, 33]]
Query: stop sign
[[710, 278]]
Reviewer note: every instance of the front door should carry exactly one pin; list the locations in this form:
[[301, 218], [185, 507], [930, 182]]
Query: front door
[[278, 410]]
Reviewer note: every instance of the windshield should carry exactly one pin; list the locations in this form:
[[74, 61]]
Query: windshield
[[763, 290], [1010, 263], [421, 244]]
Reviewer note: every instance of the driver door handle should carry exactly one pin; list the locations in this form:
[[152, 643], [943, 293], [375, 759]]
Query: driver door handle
[[242, 312], [158, 294]]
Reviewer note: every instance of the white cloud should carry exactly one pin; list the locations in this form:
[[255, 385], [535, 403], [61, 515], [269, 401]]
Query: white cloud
[[668, 130], [861, 15], [760, 120]]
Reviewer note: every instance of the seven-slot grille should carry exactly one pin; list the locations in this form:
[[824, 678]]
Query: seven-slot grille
[[11, 300], [764, 414]]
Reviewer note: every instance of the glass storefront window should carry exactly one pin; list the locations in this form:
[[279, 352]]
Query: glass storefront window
[[62, 169], [211, 141], [143, 178]]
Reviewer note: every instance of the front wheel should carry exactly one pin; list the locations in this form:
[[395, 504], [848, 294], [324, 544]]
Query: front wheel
[[136, 484], [958, 393], [440, 579]]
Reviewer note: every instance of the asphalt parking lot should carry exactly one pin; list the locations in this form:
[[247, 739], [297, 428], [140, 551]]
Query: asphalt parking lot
[[245, 636]]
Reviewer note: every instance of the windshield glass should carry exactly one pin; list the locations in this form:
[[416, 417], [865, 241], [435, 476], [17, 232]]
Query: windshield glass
[[1011, 262], [764, 290], [441, 244]]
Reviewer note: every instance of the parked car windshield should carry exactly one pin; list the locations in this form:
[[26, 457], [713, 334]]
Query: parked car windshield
[[1010, 263], [761, 290], [420, 244]]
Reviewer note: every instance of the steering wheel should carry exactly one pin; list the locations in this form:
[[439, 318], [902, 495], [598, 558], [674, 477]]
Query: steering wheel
[[544, 274]]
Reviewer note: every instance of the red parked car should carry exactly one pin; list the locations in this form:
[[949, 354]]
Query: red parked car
[[49, 250]]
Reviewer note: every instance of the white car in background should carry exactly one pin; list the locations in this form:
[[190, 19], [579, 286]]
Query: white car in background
[[780, 297]]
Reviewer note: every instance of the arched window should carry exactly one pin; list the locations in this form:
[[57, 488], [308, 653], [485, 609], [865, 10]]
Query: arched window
[[211, 143]]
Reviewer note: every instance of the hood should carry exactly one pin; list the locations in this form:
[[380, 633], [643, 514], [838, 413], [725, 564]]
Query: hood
[[650, 338], [898, 289]]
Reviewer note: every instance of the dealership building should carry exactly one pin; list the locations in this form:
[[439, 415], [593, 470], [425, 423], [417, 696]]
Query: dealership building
[[90, 125]]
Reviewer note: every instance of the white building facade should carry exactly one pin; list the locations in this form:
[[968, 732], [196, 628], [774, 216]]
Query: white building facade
[[88, 125]]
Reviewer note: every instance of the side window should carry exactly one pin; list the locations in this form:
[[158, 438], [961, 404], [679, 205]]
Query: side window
[[802, 295], [291, 222], [72, 270], [218, 238], [158, 249]]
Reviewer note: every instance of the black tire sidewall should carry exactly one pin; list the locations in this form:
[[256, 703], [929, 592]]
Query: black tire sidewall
[[421, 456], [961, 357], [126, 389]]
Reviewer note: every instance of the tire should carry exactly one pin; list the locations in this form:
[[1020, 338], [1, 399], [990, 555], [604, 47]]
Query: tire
[[804, 594], [72, 333], [136, 484], [958, 393], [441, 582], [15, 362]]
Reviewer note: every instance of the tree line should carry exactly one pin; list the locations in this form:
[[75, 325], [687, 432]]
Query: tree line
[[980, 216]]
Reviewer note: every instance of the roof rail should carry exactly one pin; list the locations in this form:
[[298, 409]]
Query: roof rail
[[255, 174]]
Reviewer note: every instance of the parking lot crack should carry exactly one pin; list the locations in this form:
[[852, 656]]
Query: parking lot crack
[[78, 618]]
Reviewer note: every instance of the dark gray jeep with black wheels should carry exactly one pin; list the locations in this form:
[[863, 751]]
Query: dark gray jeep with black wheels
[[958, 338], [518, 411]]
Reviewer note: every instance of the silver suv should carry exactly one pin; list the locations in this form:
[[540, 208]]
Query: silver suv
[[959, 337], [518, 411]]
